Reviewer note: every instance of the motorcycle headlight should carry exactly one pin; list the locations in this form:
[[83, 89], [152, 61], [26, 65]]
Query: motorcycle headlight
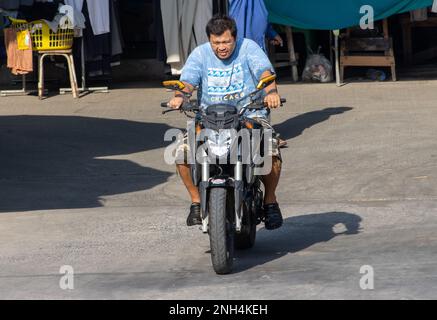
[[219, 143]]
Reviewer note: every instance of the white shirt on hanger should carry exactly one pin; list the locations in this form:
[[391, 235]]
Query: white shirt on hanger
[[98, 11], [76, 4], [99, 16]]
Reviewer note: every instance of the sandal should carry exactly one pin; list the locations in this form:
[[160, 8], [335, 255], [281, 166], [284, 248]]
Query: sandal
[[273, 216], [194, 216]]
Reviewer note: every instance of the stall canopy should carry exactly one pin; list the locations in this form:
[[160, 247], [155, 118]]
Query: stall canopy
[[334, 14]]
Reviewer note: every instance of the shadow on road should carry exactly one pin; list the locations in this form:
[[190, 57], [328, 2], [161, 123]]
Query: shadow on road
[[53, 162], [297, 234], [294, 127]]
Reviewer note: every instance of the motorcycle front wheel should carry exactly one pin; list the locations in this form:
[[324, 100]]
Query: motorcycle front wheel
[[221, 233]]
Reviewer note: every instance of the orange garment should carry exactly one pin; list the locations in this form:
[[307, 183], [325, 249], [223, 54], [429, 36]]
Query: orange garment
[[19, 61]]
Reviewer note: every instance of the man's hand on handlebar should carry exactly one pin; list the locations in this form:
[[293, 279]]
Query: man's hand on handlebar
[[272, 100], [176, 103]]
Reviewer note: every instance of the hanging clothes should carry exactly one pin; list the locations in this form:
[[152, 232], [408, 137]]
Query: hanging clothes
[[10, 4], [179, 19], [76, 4], [251, 17], [116, 38], [176, 32], [161, 53], [220, 7], [4, 17], [77, 11], [3, 55], [99, 14], [102, 50], [39, 11], [14, 4], [203, 15], [19, 61], [98, 50]]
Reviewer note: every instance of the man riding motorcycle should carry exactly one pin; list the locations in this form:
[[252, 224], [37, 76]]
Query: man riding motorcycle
[[227, 70]]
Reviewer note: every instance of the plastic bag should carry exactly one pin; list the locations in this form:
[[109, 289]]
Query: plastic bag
[[317, 68]]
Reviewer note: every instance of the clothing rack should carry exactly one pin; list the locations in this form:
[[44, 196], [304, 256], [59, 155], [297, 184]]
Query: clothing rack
[[21, 92], [84, 88]]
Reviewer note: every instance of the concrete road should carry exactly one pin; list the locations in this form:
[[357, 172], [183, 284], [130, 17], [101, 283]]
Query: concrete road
[[84, 184]]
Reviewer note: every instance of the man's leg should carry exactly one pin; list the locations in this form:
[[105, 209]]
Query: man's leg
[[185, 173], [194, 217], [271, 181], [273, 215]]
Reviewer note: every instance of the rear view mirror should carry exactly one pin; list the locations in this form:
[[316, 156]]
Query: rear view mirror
[[265, 82], [174, 85]]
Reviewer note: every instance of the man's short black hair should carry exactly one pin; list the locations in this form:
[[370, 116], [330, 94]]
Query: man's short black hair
[[219, 24]]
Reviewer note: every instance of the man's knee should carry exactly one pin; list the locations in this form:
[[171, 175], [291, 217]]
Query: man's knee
[[277, 162], [276, 167]]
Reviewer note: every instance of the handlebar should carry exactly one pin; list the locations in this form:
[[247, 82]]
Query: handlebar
[[259, 104], [192, 106]]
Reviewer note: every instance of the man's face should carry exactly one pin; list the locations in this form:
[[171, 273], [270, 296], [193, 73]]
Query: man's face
[[223, 45]]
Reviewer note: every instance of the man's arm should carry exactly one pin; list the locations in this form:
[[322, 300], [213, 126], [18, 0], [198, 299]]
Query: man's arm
[[191, 77], [179, 97], [261, 67], [272, 99]]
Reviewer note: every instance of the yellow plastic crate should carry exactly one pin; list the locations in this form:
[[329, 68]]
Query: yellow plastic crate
[[43, 38]]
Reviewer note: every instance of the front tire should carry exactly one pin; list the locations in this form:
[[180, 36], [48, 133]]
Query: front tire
[[221, 234]]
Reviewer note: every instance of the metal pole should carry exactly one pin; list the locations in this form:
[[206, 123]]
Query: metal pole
[[337, 62], [83, 67], [82, 62]]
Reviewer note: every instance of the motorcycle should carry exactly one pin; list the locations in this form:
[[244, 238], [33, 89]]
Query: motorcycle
[[226, 172]]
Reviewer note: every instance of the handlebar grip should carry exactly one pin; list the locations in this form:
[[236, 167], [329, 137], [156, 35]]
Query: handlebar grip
[[188, 106], [283, 100]]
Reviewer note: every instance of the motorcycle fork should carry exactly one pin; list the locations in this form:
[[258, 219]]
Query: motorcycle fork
[[204, 184], [238, 191]]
